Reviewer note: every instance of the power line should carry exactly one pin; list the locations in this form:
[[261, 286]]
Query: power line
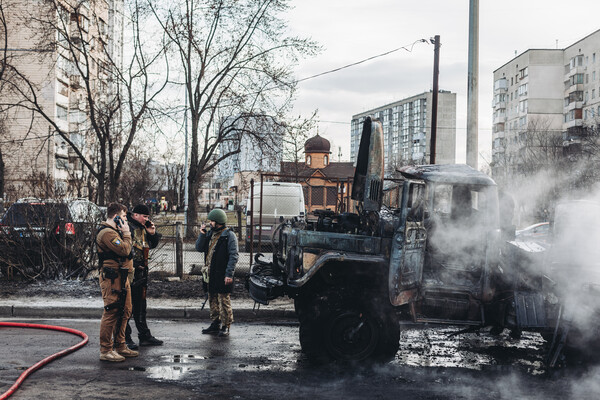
[[408, 47]]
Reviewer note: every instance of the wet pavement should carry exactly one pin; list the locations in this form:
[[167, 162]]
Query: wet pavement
[[264, 361]]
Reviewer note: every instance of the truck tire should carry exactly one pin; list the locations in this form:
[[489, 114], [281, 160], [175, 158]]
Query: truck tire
[[346, 332], [351, 335]]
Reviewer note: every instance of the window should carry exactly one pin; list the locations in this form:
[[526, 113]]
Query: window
[[523, 73], [331, 196], [316, 195], [593, 57], [62, 163], [576, 79], [523, 106], [593, 76], [576, 61], [325, 160], [575, 96], [523, 90], [101, 27], [61, 112], [308, 160], [593, 93]]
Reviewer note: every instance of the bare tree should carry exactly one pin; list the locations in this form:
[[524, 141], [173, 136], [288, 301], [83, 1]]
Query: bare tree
[[114, 96], [236, 62], [139, 178], [296, 135]]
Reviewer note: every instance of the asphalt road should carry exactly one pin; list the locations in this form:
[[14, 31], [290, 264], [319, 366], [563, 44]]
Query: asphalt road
[[263, 361]]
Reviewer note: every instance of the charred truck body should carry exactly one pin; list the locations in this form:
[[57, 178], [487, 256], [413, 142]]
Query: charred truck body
[[432, 255]]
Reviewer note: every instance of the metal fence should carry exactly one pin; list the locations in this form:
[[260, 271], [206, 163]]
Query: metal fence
[[176, 255]]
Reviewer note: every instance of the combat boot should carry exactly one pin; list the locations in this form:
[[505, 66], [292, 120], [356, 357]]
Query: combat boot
[[112, 356], [130, 343], [224, 331], [150, 341], [127, 352], [213, 328]]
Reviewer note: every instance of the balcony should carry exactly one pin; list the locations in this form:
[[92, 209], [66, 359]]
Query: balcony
[[500, 105], [572, 124], [501, 85], [577, 70], [573, 105], [499, 118], [574, 88]]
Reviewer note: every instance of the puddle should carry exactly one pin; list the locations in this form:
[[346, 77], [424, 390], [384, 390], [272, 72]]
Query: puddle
[[436, 348], [183, 358], [168, 373], [172, 372]]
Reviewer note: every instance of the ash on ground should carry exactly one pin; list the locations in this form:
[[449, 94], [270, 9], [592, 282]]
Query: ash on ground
[[159, 287]]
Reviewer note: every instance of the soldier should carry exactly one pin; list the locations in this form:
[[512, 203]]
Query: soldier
[[144, 238], [220, 249], [114, 246]]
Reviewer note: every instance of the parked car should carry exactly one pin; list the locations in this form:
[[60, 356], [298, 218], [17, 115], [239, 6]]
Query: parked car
[[49, 237], [538, 233]]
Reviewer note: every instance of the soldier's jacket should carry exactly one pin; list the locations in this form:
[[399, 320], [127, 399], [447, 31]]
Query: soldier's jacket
[[109, 240], [141, 239]]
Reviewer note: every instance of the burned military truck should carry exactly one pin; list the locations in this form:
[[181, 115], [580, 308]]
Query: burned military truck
[[430, 256]]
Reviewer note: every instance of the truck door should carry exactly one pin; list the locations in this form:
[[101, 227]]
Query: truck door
[[408, 245]]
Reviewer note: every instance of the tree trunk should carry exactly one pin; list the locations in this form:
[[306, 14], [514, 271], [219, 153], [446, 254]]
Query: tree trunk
[[192, 211], [1, 175]]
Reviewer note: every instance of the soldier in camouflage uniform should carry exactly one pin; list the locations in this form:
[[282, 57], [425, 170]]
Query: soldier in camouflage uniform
[[220, 249]]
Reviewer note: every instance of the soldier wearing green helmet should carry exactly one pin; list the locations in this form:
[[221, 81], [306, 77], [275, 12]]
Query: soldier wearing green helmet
[[220, 249]]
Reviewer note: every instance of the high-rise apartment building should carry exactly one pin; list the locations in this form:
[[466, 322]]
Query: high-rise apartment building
[[407, 130], [549, 91], [44, 38]]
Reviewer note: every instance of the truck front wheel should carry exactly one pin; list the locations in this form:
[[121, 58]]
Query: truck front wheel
[[349, 333]]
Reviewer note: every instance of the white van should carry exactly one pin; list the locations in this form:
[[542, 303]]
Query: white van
[[280, 199]]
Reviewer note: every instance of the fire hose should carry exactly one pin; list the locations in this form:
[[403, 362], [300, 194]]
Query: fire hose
[[46, 360]]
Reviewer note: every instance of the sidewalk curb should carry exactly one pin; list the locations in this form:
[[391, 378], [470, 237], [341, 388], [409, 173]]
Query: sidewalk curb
[[194, 313]]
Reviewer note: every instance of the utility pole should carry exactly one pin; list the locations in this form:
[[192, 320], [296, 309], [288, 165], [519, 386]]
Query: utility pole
[[434, 106], [473, 85], [185, 169], [50, 141]]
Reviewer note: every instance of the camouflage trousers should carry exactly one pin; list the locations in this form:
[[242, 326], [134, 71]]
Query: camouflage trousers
[[220, 308]]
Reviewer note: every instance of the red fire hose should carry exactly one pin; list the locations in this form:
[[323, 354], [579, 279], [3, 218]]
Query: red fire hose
[[46, 360]]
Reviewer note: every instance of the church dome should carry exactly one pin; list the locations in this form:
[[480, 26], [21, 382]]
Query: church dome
[[317, 144]]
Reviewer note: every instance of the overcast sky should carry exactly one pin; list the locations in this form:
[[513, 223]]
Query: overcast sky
[[351, 30]]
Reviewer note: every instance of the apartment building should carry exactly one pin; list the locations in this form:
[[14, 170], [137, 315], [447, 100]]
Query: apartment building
[[260, 150], [407, 130], [41, 37], [551, 91]]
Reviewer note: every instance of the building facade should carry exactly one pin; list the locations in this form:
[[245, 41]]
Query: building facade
[[43, 40], [407, 130], [551, 93]]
